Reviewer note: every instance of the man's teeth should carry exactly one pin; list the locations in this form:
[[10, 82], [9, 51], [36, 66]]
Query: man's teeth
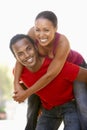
[[30, 60]]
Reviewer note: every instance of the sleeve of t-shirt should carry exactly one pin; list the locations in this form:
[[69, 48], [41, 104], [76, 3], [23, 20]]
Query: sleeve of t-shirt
[[70, 71]]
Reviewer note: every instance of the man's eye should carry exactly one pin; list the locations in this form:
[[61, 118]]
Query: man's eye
[[37, 30], [20, 54]]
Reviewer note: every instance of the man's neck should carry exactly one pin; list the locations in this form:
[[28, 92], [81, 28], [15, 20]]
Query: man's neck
[[38, 65]]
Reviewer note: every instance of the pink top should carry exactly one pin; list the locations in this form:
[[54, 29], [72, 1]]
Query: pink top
[[73, 57]]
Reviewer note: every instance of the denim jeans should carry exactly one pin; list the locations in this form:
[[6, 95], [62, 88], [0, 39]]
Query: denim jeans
[[80, 92], [34, 104], [51, 119]]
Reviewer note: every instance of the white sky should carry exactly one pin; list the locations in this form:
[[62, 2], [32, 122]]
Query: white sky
[[17, 16]]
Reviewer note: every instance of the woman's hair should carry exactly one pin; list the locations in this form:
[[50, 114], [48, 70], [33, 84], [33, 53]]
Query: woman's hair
[[17, 38], [48, 15]]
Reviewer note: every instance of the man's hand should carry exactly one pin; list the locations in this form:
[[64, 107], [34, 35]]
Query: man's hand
[[20, 96]]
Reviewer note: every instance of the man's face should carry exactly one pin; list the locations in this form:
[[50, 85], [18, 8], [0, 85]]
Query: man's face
[[25, 53]]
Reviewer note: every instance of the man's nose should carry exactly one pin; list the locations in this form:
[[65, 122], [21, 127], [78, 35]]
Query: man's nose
[[26, 54]]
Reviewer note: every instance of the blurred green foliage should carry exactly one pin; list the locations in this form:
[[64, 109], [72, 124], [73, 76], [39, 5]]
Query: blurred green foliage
[[6, 85]]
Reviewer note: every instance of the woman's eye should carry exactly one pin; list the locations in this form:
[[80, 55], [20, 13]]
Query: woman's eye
[[46, 30], [28, 48]]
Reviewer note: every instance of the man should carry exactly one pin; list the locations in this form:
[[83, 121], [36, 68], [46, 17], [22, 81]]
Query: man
[[57, 97]]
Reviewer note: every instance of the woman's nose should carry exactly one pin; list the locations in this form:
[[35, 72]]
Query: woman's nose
[[41, 33]]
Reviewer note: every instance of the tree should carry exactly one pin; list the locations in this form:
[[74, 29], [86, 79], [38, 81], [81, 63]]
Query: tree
[[6, 81]]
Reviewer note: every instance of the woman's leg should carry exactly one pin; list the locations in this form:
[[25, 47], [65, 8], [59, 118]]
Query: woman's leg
[[71, 119], [80, 92], [32, 112]]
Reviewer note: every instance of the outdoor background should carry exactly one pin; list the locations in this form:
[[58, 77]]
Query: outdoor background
[[17, 16]]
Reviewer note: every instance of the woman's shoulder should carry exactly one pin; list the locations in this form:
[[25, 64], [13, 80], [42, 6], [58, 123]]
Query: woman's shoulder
[[60, 39], [61, 36], [31, 33], [62, 44]]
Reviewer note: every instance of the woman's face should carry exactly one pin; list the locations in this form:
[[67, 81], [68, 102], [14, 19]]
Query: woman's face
[[44, 31]]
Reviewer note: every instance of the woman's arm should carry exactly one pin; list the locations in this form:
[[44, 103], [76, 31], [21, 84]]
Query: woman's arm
[[56, 65], [23, 94], [31, 33]]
